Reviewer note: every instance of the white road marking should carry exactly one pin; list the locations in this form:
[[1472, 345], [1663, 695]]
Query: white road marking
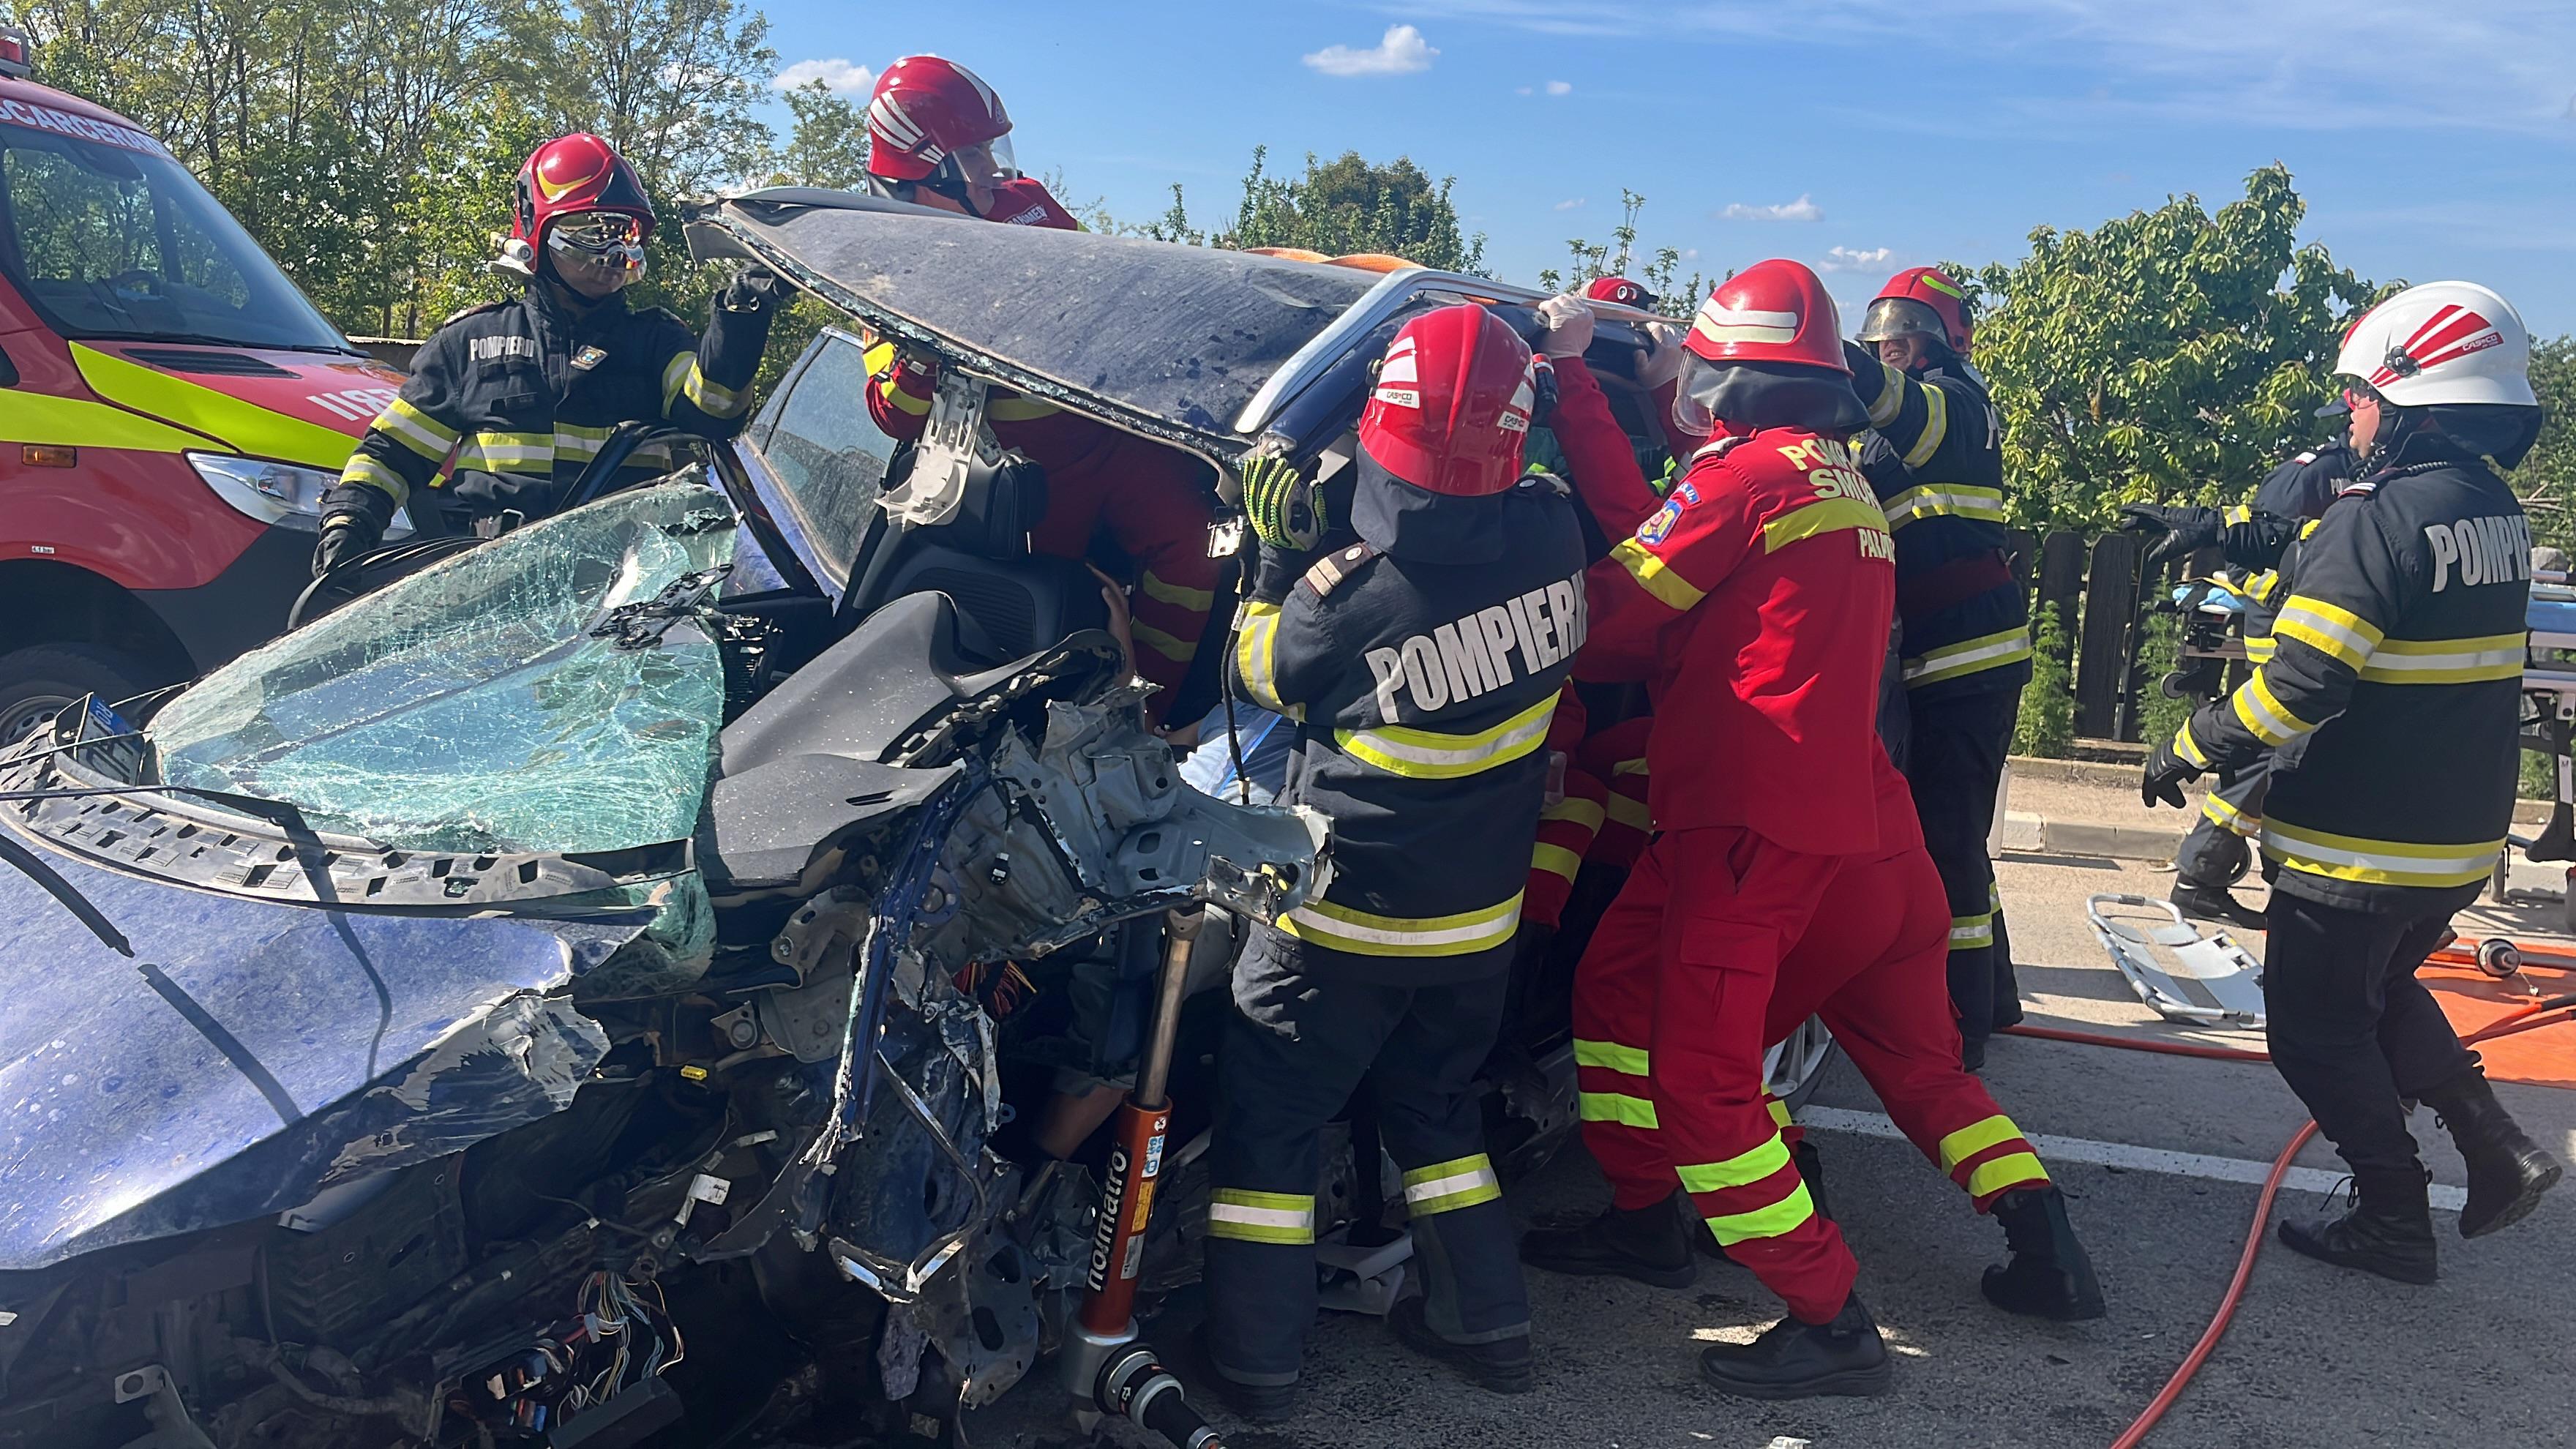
[[2123, 1155]]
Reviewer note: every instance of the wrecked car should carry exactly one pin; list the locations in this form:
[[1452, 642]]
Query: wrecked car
[[596, 988]]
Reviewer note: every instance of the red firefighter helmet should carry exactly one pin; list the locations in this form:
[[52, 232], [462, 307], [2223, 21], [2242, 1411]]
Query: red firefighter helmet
[[1774, 311], [1451, 410], [925, 111], [582, 177], [1920, 302], [1620, 290]]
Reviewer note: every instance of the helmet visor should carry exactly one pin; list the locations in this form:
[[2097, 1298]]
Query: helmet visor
[[1693, 393], [598, 244], [987, 163], [1892, 317]]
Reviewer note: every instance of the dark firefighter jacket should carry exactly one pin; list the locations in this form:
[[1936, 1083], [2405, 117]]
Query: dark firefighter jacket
[[522, 394], [1937, 466], [2399, 649], [2298, 490], [1422, 672]]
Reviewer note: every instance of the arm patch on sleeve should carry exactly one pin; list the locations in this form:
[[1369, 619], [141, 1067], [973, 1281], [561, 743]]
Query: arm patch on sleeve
[[1329, 572]]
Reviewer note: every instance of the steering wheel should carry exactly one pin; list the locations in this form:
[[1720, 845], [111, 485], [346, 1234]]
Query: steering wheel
[[138, 281], [350, 578]]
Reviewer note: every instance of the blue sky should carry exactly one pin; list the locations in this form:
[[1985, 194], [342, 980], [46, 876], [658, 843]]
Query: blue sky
[[2430, 140]]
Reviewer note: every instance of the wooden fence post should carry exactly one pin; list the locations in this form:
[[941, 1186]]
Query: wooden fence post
[[2061, 578]]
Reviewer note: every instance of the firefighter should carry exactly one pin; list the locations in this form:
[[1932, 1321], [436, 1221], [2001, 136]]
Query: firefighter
[[2403, 625], [937, 136], [1422, 664], [2214, 856], [1936, 463], [522, 394]]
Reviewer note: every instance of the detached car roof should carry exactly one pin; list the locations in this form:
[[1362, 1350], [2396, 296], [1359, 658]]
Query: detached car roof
[[1200, 346]]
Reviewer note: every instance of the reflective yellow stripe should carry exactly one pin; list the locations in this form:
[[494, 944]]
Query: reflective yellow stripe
[[248, 427], [1426, 755], [2236, 513], [2261, 711], [1196, 600], [1834, 515], [363, 468], [1891, 397], [2447, 661], [1936, 425], [2259, 648], [1786, 1215], [2379, 862], [2328, 628], [1631, 812], [1968, 656], [1935, 500], [1611, 1056], [1629, 767], [1576, 810], [1365, 933], [1655, 576], [1742, 1170], [709, 397], [416, 430], [1256, 654], [2264, 585], [1556, 860], [1970, 933], [675, 375], [578, 444], [34, 417], [2189, 748], [2013, 1169], [1260, 1217], [1170, 646], [509, 453], [1018, 409], [1974, 1138], [2227, 817], [1617, 1107], [1448, 1186], [1779, 1110]]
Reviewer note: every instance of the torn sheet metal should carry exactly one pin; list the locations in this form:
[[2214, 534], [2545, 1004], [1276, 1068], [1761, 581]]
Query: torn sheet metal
[[252, 1054]]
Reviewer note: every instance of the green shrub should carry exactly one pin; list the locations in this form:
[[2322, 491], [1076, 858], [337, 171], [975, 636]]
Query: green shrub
[[2159, 653], [2046, 727]]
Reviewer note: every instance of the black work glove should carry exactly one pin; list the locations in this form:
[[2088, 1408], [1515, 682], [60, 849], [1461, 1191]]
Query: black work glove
[[344, 536], [2163, 781], [2183, 529], [753, 289]]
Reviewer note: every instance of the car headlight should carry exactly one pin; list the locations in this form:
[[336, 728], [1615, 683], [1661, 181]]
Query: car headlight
[[270, 492]]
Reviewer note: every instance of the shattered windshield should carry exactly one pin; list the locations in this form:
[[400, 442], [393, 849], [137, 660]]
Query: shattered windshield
[[469, 707]]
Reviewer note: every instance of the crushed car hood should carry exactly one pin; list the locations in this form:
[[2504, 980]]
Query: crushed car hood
[[251, 1054]]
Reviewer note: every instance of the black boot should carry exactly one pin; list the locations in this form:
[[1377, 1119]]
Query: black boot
[[2388, 1232], [1252, 1403], [1651, 1245], [2215, 903], [2049, 1275], [2507, 1170], [1794, 1360], [1504, 1366]]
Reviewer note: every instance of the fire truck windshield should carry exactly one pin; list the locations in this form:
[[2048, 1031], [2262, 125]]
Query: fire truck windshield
[[109, 239]]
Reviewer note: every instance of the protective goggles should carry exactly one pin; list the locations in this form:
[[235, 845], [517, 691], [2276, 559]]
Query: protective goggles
[[602, 240]]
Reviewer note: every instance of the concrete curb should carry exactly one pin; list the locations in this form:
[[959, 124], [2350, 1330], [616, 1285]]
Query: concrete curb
[[2037, 835]]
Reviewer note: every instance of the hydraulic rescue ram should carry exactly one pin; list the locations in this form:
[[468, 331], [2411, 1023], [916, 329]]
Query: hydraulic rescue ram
[[1107, 1367]]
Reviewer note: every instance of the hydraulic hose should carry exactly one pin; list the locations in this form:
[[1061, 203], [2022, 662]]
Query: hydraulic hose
[[2551, 1011]]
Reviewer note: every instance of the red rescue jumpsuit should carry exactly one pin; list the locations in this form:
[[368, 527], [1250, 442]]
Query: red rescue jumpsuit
[[1151, 500]]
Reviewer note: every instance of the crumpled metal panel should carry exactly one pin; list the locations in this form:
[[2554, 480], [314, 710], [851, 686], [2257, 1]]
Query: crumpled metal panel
[[1179, 336], [251, 1054], [469, 707]]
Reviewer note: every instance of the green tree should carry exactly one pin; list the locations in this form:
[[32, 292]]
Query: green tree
[[2547, 478], [1614, 258], [2045, 726], [1349, 205], [827, 144], [2169, 354]]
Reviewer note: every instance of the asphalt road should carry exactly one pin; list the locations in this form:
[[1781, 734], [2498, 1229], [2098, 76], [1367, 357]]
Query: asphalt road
[[2318, 1358]]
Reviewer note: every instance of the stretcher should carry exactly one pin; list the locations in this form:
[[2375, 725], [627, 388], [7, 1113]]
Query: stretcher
[[2185, 975]]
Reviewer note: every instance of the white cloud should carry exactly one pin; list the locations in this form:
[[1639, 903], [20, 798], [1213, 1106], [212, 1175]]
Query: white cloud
[[1569, 205], [1802, 209], [1401, 52], [1560, 88], [839, 74], [1525, 90], [1848, 259]]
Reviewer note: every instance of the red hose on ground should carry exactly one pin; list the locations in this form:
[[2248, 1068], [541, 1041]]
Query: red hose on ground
[[2529, 1017]]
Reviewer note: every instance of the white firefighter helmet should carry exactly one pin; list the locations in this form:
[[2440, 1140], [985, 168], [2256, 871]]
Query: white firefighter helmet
[[2442, 342]]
